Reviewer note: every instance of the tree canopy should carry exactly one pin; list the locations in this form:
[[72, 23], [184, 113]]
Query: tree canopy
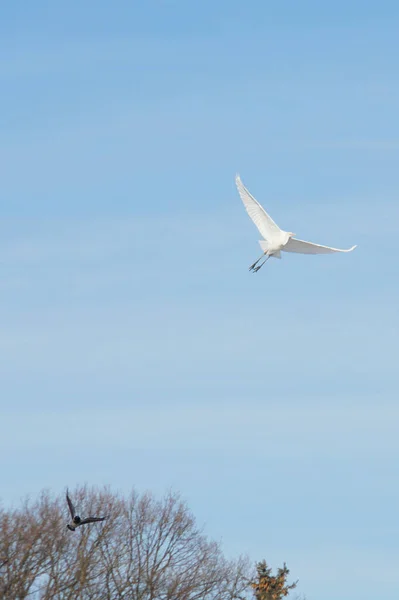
[[146, 549]]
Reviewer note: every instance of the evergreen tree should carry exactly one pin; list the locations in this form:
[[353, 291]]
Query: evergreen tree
[[271, 587]]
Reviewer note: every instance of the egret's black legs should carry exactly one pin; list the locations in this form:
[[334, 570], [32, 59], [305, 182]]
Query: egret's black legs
[[252, 267], [256, 269]]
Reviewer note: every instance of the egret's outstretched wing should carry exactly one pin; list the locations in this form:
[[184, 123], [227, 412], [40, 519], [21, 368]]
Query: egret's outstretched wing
[[265, 224], [70, 505], [301, 247]]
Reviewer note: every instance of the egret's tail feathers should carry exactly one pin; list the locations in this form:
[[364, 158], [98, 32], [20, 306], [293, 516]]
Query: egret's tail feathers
[[265, 247]]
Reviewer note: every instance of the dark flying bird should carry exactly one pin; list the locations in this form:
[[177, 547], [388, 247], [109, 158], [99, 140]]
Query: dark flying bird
[[76, 520]]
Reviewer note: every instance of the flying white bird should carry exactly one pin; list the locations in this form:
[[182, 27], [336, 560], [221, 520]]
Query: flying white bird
[[276, 240]]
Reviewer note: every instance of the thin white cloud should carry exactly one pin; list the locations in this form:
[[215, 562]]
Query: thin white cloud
[[281, 429], [359, 144]]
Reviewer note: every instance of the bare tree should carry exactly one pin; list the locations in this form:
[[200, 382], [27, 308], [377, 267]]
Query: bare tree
[[147, 549]]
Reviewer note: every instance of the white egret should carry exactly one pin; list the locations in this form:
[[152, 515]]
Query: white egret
[[275, 239]]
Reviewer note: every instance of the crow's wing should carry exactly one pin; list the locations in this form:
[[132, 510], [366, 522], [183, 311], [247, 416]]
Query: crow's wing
[[301, 247], [265, 224], [70, 505], [92, 520]]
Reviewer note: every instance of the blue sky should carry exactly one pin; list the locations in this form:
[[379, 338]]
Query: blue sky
[[135, 347]]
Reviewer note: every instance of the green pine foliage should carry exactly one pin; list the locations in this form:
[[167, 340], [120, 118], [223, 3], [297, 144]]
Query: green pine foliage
[[271, 587]]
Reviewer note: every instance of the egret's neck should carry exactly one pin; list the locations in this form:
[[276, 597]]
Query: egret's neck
[[287, 235]]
